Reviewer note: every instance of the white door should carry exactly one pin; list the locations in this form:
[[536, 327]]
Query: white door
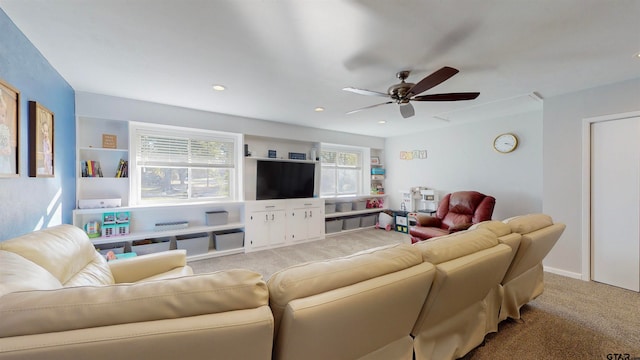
[[615, 202]]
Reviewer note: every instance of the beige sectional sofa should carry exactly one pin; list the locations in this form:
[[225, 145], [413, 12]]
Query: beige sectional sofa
[[60, 299], [436, 299]]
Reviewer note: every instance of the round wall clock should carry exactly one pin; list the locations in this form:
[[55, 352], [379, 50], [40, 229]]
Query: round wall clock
[[505, 143]]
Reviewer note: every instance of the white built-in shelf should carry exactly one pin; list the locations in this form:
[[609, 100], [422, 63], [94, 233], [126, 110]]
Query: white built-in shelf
[[91, 148], [141, 235], [338, 214], [278, 159]]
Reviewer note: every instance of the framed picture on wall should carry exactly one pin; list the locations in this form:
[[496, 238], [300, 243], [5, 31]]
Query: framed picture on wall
[[41, 154], [9, 130]]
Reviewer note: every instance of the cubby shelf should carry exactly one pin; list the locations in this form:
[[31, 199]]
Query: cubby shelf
[[141, 235], [354, 212]]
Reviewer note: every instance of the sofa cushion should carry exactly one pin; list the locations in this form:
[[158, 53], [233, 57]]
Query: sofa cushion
[[497, 227], [62, 250], [449, 247], [313, 278], [528, 223], [34, 312], [20, 274]]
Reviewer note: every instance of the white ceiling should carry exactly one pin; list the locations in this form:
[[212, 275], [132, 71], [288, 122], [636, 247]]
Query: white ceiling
[[279, 59]]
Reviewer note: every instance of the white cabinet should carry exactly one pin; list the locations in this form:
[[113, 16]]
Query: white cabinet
[[265, 224], [273, 223], [305, 220]]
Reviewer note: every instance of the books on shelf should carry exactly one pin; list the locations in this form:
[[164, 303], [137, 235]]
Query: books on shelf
[[123, 169], [91, 168]]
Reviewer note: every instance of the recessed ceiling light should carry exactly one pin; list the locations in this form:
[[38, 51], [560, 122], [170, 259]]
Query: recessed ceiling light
[[638, 55], [219, 87], [382, 122], [319, 109]]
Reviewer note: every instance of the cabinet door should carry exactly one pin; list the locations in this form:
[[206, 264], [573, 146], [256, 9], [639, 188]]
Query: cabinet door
[[315, 223], [277, 227], [297, 224], [257, 229]]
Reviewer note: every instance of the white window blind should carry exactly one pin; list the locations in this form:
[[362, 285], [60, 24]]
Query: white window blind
[[159, 149], [178, 165]]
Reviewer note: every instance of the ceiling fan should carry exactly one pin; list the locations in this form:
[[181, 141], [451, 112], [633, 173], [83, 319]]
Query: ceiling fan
[[405, 92]]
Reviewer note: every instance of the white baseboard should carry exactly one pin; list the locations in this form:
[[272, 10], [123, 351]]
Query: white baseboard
[[561, 272]]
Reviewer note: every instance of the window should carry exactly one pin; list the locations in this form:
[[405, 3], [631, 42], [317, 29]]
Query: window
[[341, 172], [180, 165]]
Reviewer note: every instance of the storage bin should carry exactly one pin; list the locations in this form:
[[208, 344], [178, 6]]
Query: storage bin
[[359, 205], [156, 245], [214, 218], [377, 171], [344, 206], [193, 243], [226, 240], [368, 220], [351, 223], [332, 226], [329, 208]]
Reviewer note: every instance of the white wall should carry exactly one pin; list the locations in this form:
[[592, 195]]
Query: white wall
[[562, 158], [114, 108], [461, 157]]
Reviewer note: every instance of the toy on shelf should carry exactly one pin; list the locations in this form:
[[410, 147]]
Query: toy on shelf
[[92, 228], [115, 223], [385, 220]]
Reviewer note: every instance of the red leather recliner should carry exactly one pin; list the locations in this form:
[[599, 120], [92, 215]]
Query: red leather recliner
[[457, 211]]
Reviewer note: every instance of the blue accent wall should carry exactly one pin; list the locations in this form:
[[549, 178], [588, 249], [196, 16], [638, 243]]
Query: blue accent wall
[[26, 203]]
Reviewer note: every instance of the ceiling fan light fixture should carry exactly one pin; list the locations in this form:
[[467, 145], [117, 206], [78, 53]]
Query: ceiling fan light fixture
[[404, 93]]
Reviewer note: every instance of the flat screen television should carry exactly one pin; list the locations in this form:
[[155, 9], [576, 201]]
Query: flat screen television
[[284, 180]]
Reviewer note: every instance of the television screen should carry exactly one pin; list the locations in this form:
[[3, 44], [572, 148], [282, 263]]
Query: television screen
[[284, 180]]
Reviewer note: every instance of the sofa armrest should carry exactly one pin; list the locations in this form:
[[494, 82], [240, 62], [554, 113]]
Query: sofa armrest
[[427, 220], [82, 307], [141, 267]]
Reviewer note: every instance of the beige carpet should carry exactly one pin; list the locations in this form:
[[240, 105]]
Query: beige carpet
[[572, 319]]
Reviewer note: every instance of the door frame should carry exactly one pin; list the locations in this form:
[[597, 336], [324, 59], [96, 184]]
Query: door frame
[[587, 258]]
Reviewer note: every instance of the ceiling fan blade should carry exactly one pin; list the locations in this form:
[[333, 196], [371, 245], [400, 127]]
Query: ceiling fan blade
[[447, 97], [407, 110], [369, 107], [432, 80], [365, 92]]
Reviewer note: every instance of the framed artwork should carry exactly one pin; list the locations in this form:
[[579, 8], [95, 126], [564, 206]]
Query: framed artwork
[[41, 154], [9, 130]]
